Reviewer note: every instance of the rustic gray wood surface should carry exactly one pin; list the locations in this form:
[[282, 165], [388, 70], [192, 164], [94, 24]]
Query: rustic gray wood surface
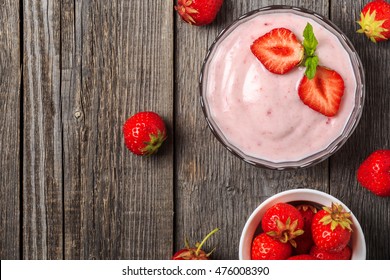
[[10, 127], [71, 73]]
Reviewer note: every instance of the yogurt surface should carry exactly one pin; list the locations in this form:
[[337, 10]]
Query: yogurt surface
[[259, 112]]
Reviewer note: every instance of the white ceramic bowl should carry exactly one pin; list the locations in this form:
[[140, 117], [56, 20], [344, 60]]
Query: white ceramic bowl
[[358, 243]]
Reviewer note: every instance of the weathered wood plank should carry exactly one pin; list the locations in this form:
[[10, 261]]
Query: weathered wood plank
[[214, 188], [10, 78], [117, 59], [372, 133], [42, 146], [77, 226]]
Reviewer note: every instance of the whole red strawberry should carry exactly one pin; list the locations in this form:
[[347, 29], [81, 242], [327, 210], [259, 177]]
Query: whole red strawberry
[[144, 133], [194, 253], [374, 173], [307, 211], [331, 228], [283, 222], [198, 12], [375, 21], [265, 247], [344, 254], [305, 241]]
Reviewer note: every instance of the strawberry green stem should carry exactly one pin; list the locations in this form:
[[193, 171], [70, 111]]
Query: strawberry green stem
[[205, 239]]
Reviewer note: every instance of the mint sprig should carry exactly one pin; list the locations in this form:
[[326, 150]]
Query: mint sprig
[[310, 44], [311, 66]]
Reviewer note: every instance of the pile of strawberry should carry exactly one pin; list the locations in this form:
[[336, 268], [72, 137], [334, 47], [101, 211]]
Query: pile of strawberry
[[303, 232]]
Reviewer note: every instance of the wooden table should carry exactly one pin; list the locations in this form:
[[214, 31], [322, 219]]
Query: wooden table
[[71, 73]]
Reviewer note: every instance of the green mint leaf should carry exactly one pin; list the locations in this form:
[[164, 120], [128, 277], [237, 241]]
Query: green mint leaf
[[311, 66], [310, 41], [310, 44]]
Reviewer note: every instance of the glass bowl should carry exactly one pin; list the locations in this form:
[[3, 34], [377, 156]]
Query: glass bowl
[[209, 80]]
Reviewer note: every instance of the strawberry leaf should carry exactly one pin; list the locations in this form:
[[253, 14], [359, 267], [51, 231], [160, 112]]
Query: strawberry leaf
[[310, 44]]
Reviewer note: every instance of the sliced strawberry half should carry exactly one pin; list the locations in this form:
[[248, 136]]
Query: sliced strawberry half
[[323, 93], [278, 50]]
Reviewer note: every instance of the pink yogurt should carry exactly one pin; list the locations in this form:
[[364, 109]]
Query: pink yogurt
[[260, 113]]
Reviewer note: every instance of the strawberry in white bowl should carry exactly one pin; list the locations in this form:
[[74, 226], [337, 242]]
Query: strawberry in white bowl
[[346, 238]]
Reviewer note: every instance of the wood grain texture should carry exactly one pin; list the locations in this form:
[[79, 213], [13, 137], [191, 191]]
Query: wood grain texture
[[117, 59], [371, 134], [10, 78], [213, 187], [42, 158], [85, 67]]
